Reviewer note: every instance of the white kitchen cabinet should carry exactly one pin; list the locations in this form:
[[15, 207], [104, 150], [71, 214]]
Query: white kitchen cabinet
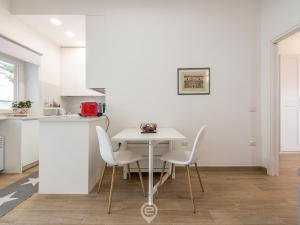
[[29, 142], [73, 73], [21, 143], [70, 161]]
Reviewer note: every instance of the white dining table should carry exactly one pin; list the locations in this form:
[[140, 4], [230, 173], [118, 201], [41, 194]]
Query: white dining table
[[162, 134]]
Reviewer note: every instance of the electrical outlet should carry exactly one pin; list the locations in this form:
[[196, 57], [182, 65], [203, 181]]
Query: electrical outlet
[[184, 143], [252, 143]]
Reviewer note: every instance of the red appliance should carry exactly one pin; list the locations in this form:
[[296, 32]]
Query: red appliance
[[89, 109]]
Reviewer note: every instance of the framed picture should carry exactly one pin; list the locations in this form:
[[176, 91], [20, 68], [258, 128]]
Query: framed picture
[[193, 81]]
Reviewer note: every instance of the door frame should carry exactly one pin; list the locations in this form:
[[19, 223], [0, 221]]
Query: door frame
[[274, 81]]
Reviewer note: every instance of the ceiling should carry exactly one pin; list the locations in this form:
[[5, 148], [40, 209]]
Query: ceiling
[[57, 33]]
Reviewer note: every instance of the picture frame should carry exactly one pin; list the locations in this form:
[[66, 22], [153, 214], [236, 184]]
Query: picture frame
[[193, 81]]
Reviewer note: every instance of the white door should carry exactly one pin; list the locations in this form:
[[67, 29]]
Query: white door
[[290, 100]]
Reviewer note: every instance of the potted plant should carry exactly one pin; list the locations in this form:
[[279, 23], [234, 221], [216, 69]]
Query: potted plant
[[21, 107]]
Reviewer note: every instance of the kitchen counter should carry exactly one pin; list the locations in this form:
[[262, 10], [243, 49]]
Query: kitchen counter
[[63, 118], [21, 142], [25, 117], [71, 118], [69, 156]]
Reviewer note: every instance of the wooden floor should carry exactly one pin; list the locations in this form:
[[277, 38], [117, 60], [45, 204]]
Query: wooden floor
[[7, 179], [230, 198]]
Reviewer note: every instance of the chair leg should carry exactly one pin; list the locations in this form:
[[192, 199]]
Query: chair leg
[[111, 188], [128, 170], [141, 177], [161, 176], [172, 170], [199, 178], [190, 186], [101, 178]]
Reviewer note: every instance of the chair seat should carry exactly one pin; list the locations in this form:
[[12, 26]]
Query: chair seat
[[124, 157], [177, 157]]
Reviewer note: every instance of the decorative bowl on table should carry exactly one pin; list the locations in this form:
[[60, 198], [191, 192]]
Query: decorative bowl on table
[[148, 127]]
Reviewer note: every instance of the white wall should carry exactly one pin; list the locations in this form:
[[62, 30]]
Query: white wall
[[71, 104], [49, 71], [32, 87], [278, 17], [134, 54], [134, 49]]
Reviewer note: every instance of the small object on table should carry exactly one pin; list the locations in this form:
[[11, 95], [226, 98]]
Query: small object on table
[[148, 128]]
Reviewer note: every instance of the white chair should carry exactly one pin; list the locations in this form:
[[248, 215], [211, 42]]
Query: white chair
[[120, 158], [185, 158]]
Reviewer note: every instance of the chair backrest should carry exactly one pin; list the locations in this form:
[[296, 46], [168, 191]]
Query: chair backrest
[[106, 150], [196, 147]]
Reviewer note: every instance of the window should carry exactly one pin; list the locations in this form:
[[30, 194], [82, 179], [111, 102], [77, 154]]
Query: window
[[8, 85]]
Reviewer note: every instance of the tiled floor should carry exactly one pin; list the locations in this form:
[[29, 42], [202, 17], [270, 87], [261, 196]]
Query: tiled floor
[[230, 198]]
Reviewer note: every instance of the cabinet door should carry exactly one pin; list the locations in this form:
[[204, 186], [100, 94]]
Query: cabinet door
[[29, 146], [73, 73], [290, 120]]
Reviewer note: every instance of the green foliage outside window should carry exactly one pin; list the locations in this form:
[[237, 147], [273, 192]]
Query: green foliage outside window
[[9, 69]]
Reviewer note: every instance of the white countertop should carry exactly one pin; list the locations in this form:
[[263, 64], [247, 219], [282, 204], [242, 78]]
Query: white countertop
[[21, 117], [64, 118], [2, 118], [24, 117], [71, 118]]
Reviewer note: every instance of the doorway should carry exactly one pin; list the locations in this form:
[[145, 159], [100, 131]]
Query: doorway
[[288, 71]]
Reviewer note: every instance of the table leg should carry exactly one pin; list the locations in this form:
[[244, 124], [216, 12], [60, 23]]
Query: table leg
[[150, 180], [168, 173], [171, 148], [125, 172]]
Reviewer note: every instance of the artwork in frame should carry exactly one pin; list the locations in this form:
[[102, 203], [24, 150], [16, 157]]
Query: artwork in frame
[[193, 81]]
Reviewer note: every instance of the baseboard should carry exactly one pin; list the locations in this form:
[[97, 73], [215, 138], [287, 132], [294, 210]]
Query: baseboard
[[289, 152], [233, 168], [217, 169], [228, 168], [29, 166]]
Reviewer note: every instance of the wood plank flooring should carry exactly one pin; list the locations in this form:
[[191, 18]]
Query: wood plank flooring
[[230, 198], [7, 179]]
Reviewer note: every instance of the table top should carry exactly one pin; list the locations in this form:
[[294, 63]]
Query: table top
[[134, 134]]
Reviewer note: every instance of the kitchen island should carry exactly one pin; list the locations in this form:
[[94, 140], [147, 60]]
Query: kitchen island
[[69, 157]]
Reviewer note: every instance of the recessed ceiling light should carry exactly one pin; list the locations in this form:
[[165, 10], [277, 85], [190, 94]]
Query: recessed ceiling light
[[55, 21], [69, 34], [80, 43]]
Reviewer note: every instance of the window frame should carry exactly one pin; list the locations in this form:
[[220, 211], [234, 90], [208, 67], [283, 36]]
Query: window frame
[[17, 66]]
